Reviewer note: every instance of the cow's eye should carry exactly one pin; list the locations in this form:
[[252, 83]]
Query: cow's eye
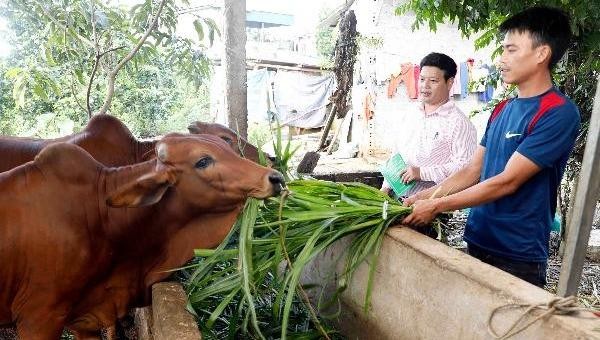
[[204, 162], [227, 139]]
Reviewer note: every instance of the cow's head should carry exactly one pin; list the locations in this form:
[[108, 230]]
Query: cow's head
[[205, 173], [239, 144]]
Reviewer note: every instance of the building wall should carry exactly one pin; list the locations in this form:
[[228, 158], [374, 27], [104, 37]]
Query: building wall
[[397, 43]]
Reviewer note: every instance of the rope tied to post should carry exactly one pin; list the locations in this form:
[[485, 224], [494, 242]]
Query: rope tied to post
[[556, 306]]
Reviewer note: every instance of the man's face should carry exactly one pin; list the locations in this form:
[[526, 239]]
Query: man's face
[[519, 58], [432, 86]]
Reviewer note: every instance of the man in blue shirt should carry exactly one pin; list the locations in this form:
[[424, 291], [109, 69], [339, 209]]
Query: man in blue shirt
[[512, 181]]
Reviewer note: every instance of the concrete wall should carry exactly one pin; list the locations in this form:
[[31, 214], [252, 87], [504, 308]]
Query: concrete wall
[[425, 290]]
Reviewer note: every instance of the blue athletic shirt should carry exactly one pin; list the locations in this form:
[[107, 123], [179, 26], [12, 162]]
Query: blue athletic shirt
[[543, 129]]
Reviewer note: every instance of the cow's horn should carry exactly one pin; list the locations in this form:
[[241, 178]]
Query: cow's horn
[[162, 152]]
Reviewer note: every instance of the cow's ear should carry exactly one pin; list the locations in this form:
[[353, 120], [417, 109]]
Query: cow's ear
[[193, 128], [146, 190]]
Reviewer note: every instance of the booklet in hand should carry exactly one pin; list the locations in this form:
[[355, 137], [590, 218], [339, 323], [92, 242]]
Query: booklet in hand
[[391, 172]]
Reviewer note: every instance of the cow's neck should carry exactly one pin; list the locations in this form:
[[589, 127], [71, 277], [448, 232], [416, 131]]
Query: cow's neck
[[205, 232], [165, 234]]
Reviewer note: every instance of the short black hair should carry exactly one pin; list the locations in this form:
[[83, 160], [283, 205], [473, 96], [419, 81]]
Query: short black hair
[[441, 61], [546, 25]]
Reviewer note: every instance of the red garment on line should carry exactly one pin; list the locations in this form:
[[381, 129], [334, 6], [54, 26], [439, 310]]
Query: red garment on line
[[369, 108], [406, 75]]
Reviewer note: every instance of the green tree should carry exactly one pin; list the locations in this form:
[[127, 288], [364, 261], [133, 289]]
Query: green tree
[[577, 73], [325, 38], [65, 51]]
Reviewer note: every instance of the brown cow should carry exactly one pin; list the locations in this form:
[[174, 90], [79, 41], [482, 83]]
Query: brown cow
[[238, 143], [71, 255], [105, 137], [111, 143]]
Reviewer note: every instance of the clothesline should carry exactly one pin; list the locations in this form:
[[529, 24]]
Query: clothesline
[[471, 77]]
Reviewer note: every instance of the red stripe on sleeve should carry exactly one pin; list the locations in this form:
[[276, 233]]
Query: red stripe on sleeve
[[497, 109], [548, 102]]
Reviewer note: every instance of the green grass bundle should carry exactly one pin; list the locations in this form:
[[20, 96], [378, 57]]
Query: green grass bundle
[[276, 239]]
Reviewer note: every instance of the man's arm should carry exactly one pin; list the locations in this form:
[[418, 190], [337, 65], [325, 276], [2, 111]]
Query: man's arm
[[518, 170], [460, 180]]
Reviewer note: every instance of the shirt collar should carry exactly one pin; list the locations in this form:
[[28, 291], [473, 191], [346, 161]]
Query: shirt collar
[[443, 110]]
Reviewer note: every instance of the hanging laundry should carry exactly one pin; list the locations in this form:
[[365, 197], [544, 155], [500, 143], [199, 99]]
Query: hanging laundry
[[488, 93], [464, 80], [369, 106], [417, 79], [479, 78], [406, 75], [455, 89], [301, 98]]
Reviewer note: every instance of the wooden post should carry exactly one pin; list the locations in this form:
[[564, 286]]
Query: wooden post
[[235, 101], [327, 127], [584, 206]]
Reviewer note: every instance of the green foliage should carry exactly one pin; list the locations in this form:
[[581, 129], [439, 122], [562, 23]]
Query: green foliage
[[369, 42], [283, 152], [325, 40], [55, 43], [277, 240], [151, 102]]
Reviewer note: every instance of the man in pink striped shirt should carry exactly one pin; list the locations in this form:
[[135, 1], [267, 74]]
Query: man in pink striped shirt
[[445, 139]]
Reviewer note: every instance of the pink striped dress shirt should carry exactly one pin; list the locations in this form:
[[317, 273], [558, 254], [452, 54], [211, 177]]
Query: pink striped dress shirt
[[444, 142]]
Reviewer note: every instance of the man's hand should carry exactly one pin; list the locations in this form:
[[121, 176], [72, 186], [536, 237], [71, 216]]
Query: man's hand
[[424, 211], [410, 200], [411, 173]]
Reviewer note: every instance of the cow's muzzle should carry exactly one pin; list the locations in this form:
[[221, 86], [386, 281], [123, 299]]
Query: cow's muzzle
[[277, 182]]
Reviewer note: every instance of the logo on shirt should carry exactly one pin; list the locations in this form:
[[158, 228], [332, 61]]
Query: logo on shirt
[[511, 135]]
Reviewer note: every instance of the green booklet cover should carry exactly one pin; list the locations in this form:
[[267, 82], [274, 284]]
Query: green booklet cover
[[391, 172]]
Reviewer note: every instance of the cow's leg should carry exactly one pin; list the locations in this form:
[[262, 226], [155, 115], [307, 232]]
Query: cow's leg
[[86, 335], [110, 333], [40, 327]]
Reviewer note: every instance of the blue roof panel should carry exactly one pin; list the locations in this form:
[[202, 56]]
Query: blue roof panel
[[275, 19]]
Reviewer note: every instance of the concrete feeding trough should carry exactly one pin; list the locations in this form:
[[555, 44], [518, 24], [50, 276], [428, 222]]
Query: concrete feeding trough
[[168, 318], [423, 289]]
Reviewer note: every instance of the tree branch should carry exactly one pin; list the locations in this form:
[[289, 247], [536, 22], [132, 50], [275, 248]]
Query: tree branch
[[57, 22], [113, 74], [89, 87], [96, 59], [96, 63], [75, 93]]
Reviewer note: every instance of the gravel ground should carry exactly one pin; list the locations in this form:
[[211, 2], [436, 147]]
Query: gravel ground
[[129, 330]]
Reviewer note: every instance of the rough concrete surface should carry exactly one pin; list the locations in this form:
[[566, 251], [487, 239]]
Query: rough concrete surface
[[423, 289], [171, 320], [143, 323]]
